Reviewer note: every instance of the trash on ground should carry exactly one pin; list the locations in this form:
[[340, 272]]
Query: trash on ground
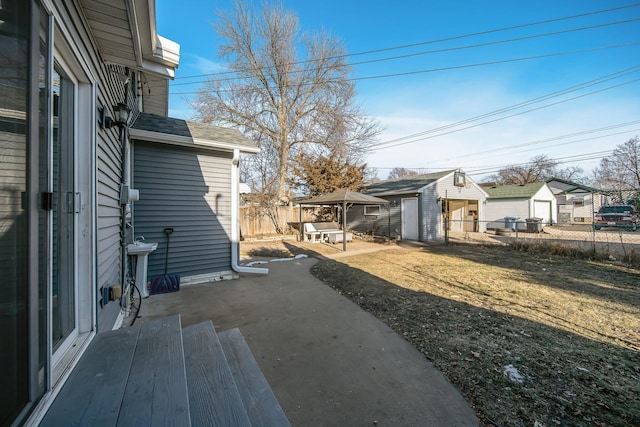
[[513, 374]]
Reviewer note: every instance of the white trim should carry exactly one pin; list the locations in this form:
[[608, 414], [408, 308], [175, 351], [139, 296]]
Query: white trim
[[404, 227], [167, 50], [375, 208], [186, 141], [49, 397], [119, 320], [159, 69], [235, 220], [217, 276]]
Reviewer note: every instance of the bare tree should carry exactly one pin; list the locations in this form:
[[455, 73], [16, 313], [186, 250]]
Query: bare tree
[[289, 92], [621, 170], [538, 169], [402, 173], [573, 174]]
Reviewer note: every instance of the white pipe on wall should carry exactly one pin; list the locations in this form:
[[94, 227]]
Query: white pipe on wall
[[235, 220]]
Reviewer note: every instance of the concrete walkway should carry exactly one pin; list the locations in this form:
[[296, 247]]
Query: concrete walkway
[[328, 362]]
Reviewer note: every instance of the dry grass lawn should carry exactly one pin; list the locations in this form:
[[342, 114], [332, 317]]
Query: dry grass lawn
[[570, 328]]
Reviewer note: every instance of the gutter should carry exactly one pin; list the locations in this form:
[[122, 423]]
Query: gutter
[[235, 220]]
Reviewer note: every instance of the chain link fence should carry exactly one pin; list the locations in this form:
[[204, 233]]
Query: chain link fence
[[606, 223]]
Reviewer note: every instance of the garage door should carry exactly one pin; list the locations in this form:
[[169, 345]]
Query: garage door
[[542, 209]]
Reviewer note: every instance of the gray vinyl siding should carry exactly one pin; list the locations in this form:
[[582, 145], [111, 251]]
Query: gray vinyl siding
[[109, 91], [155, 98], [109, 177], [190, 191], [357, 221]]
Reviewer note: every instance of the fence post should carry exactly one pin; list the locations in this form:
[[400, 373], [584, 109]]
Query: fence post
[[446, 230]]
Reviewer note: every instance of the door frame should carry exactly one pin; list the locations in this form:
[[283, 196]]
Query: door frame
[[404, 225], [69, 59], [62, 48]]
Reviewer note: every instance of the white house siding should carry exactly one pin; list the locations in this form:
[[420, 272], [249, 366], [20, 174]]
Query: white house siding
[[580, 207], [498, 209], [576, 206], [545, 206], [189, 191], [471, 195]]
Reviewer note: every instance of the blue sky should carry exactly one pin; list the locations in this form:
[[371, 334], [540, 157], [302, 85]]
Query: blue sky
[[438, 90]]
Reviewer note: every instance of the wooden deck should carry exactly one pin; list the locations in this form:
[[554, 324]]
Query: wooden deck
[[158, 374]]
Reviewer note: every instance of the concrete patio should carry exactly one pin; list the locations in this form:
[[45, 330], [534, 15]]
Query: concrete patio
[[328, 362]]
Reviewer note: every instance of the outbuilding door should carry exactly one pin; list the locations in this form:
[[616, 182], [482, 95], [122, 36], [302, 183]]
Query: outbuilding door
[[410, 219], [542, 209]]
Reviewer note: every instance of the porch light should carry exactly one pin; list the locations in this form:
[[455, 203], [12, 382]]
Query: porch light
[[121, 113], [121, 116]]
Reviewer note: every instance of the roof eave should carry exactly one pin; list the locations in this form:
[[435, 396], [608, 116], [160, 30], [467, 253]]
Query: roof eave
[[145, 50], [186, 141]]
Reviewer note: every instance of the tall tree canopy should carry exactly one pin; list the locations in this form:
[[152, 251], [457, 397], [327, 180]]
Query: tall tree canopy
[[323, 175], [289, 92], [621, 170]]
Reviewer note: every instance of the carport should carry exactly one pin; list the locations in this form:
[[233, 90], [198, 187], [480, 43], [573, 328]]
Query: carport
[[343, 199]]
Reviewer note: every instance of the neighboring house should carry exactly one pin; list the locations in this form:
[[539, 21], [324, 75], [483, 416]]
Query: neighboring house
[[576, 202], [519, 202], [65, 172], [419, 204]]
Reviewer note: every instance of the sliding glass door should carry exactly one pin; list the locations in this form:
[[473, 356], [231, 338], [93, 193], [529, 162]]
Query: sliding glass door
[[63, 224], [47, 194], [14, 204]]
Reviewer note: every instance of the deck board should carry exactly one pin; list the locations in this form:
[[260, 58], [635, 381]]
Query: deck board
[[213, 394], [93, 393], [156, 392], [260, 402]]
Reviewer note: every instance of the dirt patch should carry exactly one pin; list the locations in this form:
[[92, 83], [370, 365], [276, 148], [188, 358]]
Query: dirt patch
[[526, 338]]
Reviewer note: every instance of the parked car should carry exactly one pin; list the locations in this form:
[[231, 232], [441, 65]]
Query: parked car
[[624, 216]]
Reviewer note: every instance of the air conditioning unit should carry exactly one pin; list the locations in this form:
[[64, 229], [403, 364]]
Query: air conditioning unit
[[459, 179]]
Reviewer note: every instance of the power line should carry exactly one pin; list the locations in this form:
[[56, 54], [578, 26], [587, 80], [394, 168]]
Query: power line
[[513, 147], [570, 89], [451, 49], [455, 67], [597, 155], [509, 116], [481, 64], [446, 39], [586, 132]]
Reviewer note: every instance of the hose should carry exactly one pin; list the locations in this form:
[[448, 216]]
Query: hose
[[139, 304]]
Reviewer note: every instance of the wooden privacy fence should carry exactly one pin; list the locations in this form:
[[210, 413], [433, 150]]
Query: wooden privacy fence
[[254, 222]]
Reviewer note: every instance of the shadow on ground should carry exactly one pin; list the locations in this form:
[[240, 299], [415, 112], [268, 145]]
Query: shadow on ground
[[566, 379]]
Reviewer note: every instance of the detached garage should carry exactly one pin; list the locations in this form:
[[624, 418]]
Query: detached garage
[[506, 202], [418, 206]]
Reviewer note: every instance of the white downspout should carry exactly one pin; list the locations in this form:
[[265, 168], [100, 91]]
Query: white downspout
[[235, 220]]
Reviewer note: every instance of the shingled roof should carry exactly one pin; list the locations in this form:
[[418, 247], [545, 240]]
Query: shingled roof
[[405, 185], [155, 128], [515, 191]]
